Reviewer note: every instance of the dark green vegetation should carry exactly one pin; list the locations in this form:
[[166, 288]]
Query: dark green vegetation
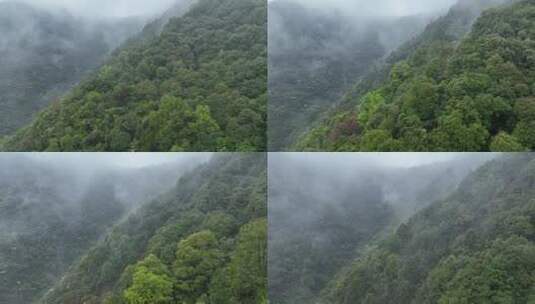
[[476, 246], [203, 242], [325, 210], [457, 87], [315, 56], [43, 54], [198, 85], [50, 215]]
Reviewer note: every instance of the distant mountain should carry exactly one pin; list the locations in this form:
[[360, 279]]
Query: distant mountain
[[198, 84], [316, 55], [465, 84], [476, 246], [43, 54]]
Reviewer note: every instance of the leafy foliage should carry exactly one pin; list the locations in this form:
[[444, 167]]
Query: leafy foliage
[[450, 92], [151, 283], [199, 85]]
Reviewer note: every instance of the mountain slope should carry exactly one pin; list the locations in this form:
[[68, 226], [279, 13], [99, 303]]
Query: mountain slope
[[315, 55], [198, 85], [203, 241], [477, 246], [51, 215], [322, 216], [43, 54], [447, 91]]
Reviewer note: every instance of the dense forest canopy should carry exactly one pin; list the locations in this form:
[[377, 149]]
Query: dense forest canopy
[[198, 84], [325, 209], [315, 55], [476, 246], [465, 84], [54, 208], [205, 241], [43, 53]]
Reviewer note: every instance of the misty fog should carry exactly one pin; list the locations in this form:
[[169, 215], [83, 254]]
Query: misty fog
[[318, 50], [380, 7], [55, 206], [47, 47], [318, 179], [325, 207], [70, 175], [104, 8]]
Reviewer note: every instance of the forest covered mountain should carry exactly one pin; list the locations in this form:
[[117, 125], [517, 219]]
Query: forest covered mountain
[[316, 55], [336, 238], [465, 84], [476, 246], [43, 54], [205, 241], [51, 215], [197, 84], [324, 210]]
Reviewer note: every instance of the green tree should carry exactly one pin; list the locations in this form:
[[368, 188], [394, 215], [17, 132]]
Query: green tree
[[204, 128], [525, 132], [197, 259], [422, 99], [504, 142], [151, 283], [369, 105], [248, 267], [453, 133], [379, 140]]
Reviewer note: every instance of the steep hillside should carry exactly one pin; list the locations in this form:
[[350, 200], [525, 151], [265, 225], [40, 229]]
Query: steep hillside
[[51, 215], [43, 54], [199, 84], [315, 55], [476, 246], [205, 241], [321, 216], [446, 91]]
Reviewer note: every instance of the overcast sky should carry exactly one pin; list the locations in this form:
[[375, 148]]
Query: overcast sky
[[401, 160], [106, 8], [380, 7], [130, 160]]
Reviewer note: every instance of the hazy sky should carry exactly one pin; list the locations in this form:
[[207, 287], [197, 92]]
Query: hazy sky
[[131, 160], [106, 8], [403, 160], [381, 7]]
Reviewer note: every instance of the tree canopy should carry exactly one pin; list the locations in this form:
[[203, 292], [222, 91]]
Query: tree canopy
[[198, 85], [450, 92], [476, 246]]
